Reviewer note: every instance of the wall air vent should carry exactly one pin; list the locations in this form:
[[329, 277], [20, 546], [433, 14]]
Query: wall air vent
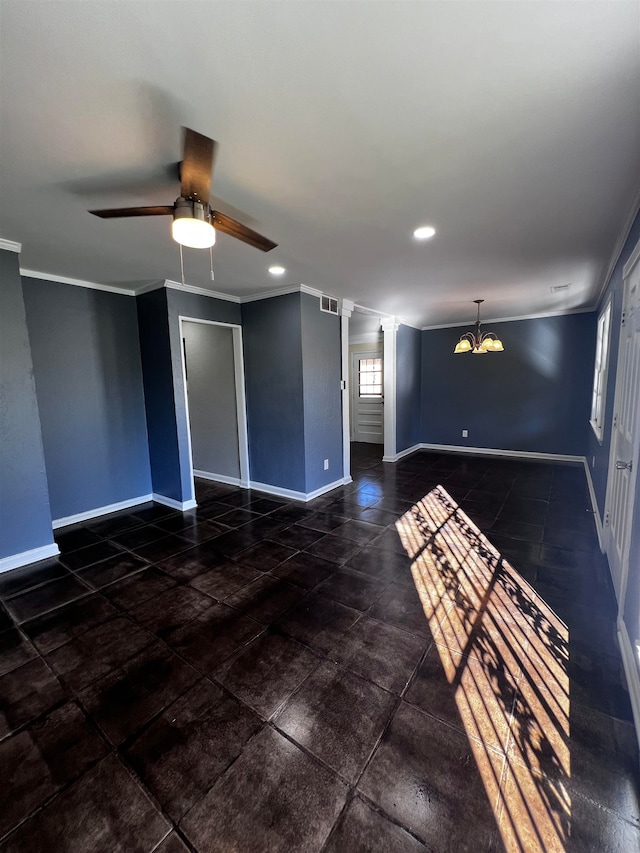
[[559, 288], [328, 304]]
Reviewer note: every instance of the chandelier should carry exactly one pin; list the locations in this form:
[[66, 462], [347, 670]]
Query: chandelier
[[479, 342]]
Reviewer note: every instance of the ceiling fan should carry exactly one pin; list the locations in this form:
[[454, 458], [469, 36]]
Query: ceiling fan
[[194, 221]]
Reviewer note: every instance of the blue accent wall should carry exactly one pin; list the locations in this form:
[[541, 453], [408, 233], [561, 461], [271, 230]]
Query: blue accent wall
[[25, 517], [321, 373], [272, 331], [181, 303], [88, 376], [408, 387], [155, 350], [536, 396], [614, 290]]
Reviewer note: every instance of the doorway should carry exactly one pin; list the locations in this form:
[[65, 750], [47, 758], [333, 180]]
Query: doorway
[[367, 396], [213, 373]]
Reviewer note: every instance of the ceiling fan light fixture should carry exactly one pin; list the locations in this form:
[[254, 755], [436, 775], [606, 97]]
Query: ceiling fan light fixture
[[191, 226]]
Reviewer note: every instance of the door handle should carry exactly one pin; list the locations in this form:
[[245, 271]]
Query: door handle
[[621, 466]]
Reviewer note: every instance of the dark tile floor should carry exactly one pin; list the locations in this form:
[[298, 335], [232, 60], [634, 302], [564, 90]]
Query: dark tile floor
[[423, 660]]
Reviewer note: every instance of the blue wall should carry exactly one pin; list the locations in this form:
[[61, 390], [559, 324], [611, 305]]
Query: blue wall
[[181, 303], [88, 375], [155, 350], [272, 331], [536, 396], [614, 289], [321, 374], [25, 517], [408, 387]]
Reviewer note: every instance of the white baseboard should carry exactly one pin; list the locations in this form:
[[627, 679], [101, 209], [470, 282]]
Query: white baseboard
[[492, 451], [631, 673], [407, 452], [174, 504], [221, 478], [298, 496], [26, 557], [98, 511], [594, 503]]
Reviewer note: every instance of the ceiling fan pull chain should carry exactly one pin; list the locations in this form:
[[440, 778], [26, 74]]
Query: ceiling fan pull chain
[[181, 264], [211, 262]]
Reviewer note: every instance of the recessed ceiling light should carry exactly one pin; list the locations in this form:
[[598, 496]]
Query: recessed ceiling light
[[424, 232], [277, 270]]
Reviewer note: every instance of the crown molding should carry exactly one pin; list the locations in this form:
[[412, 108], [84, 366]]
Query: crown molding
[[76, 282], [10, 245], [619, 246], [410, 325], [540, 316], [201, 291], [282, 291]]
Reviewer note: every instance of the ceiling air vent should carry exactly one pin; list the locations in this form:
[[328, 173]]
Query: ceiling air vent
[[328, 304], [559, 288]]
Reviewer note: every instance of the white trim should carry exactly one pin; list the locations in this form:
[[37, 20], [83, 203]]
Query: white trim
[[631, 672], [389, 341], [364, 310], [221, 478], [241, 403], [10, 245], [76, 282], [594, 504], [26, 557], [367, 338], [492, 451], [181, 505], [148, 286], [539, 316], [633, 260], [410, 325], [100, 510], [281, 291], [403, 453], [620, 244], [200, 291], [299, 496], [345, 389]]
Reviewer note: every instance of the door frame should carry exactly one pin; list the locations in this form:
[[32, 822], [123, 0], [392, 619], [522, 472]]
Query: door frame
[[624, 568], [241, 402]]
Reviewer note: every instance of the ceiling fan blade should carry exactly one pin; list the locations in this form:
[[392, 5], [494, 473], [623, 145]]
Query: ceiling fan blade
[[236, 229], [116, 212], [197, 166]]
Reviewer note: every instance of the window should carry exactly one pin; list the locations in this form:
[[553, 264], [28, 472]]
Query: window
[[600, 373], [370, 377]]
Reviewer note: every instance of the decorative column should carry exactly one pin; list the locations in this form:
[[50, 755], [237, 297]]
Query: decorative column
[[346, 310], [390, 330]]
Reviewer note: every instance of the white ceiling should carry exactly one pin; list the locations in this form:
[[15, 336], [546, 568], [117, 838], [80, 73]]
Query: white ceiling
[[513, 128]]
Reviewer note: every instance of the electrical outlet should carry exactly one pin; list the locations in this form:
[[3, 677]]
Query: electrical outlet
[[326, 464], [465, 433]]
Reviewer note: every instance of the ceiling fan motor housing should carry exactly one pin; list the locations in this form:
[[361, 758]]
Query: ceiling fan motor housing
[[186, 208]]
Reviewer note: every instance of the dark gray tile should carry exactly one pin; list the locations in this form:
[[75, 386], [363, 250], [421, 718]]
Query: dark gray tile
[[380, 564], [189, 564], [208, 640], [363, 830], [87, 556], [400, 606], [358, 531], [305, 570], [297, 537], [111, 525], [132, 694], [266, 598], [72, 539], [154, 512], [93, 654], [171, 609], [320, 716], [236, 517], [54, 629], [111, 570], [420, 774], [323, 521], [42, 758], [132, 590], [266, 555], [273, 799], [266, 672], [162, 548], [27, 692], [105, 811], [182, 753], [352, 589], [318, 622], [222, 581], [333, 548], [130, 539], [40, 600], [15, 650], [28, 577], [384, 655], [172, 844]]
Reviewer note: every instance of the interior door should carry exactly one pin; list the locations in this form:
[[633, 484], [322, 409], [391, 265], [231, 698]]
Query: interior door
[[367, 397], [624, 437]]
